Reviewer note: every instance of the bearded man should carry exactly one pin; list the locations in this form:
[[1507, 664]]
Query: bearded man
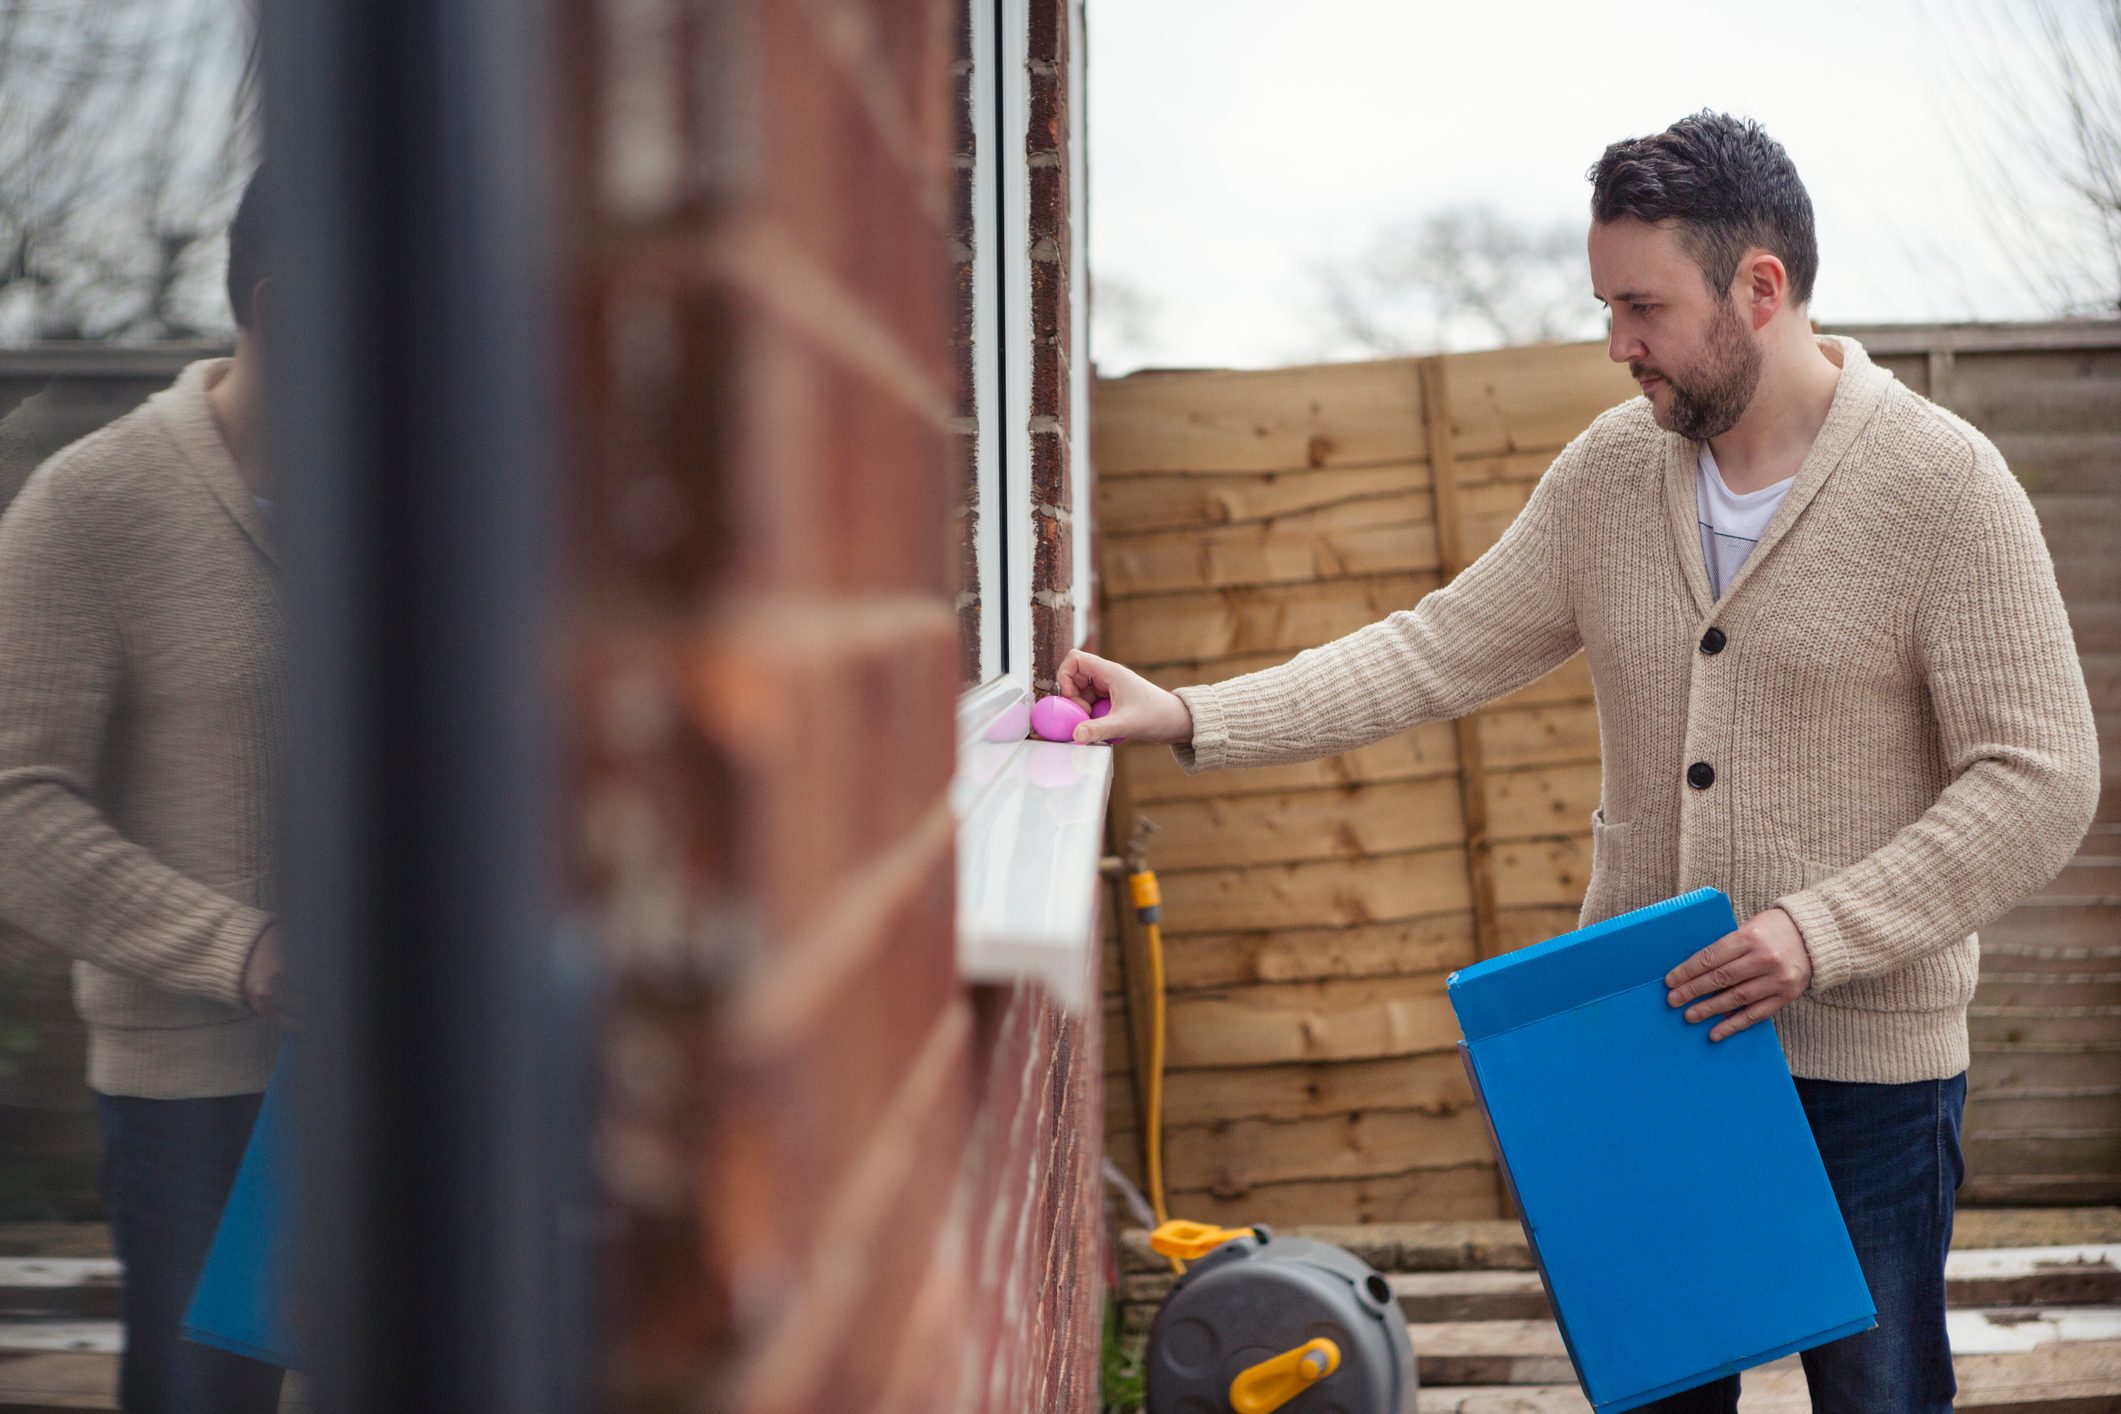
[[1834, 678]]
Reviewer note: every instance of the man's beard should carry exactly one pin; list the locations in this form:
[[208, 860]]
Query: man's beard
[[1716, 393]]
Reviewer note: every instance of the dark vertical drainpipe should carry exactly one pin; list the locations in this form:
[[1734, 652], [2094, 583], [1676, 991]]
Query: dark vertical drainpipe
[[413, 397]]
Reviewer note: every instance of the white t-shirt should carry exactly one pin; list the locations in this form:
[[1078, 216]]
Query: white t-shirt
[[1731, 524]]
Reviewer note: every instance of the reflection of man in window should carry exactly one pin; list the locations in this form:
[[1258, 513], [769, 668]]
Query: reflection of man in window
[[140, 704]]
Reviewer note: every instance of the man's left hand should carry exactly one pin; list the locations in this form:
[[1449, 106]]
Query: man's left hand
[[1754, 973]]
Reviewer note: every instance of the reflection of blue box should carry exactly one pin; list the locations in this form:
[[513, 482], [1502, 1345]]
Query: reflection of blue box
[[1669, 1186], [245, 1292]]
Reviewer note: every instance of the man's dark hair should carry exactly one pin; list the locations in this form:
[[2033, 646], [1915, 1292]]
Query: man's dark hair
[[1729, 186], [248, 252]]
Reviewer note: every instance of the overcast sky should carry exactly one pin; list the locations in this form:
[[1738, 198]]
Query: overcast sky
[[1237, 144]]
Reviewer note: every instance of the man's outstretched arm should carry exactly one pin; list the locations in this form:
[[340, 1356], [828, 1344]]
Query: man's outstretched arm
[[1503, 622]]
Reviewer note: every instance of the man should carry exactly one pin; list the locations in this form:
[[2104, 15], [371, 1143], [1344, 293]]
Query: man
[[139, 707], [1834, 679]]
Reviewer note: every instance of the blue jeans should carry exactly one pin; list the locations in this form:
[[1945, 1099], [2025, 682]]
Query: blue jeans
[[1892, 1155], [167, 1169]]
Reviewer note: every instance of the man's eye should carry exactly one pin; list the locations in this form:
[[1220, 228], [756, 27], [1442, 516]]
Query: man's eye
[[1640, 308]]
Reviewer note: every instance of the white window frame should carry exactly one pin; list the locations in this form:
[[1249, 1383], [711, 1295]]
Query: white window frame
[[1001, 337], [1030, 813]]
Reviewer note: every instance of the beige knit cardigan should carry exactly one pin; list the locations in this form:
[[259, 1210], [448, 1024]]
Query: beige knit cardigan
[[1888, 736], [139, 702]]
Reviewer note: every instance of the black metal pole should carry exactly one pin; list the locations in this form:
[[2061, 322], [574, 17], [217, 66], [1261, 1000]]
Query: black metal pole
[[411, 385]]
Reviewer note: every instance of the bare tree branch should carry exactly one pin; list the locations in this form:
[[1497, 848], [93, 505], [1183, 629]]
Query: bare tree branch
[[124, 129], [1462, 277], [2030, 91]]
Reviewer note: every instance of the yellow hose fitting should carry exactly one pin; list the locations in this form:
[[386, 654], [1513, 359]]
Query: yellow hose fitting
[[1272, 1383], [1186, 1239], [1148, 899]]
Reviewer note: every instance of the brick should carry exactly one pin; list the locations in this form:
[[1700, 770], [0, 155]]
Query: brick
[[1049, 31], [1047, 130], [655, 372], [1051, 476], [1052, 552], [968, 663], [1049, 211], [1050, 390], [1052, 636], [1050, 318]]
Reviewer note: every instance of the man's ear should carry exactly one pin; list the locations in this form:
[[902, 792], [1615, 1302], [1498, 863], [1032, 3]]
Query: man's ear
[[1764, 286]]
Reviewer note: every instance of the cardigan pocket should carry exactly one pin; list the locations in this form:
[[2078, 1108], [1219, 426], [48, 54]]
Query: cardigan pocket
[[1620, 879]]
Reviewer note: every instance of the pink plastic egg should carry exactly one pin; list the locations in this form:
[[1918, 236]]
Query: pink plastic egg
[[1103, 706], [1055, 719]]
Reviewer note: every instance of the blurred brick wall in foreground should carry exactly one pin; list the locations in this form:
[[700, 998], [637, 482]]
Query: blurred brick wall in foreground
[[842, 1179]]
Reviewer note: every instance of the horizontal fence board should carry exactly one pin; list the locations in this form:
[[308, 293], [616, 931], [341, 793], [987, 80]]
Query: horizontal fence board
[[1393, 534], [2089, 1155], [1469, 1191], [1536, 801], [1132, 506], [2058, 931], [1542, 873], [1428, 750], [1217, 623], [1136, 509], [1435, 1083], [2076, 391], [1243, 1153], [1511, 400], [2047, 1065], [2017, 989], [1350, 1019], [1312, 895], [2049, 460], [2050, 1188], [1437, 943], [1524, 926], [1340, 822], [1987, 1024], [1995, 1114], [1285, 418]]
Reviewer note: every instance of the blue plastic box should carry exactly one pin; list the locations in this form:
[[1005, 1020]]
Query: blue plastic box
[[1669, 1186], [246, 1290]]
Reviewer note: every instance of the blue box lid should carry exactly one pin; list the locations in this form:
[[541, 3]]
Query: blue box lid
[[1580, 967]]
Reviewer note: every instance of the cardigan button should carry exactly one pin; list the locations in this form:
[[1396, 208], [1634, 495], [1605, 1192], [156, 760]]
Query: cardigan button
[[1713, 641], [1701, 775]]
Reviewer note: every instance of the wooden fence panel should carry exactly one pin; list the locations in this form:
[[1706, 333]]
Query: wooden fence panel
[[1312, 911]]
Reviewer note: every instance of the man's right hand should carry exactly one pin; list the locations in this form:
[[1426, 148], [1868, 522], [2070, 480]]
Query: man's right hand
[[1141, 711], [265, 979]]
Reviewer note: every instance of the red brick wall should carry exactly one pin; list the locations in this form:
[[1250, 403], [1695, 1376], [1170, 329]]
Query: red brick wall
[[840, 1178], [1054, 302]]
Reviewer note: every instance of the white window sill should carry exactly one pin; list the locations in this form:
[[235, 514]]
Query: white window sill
[[1031, 828]]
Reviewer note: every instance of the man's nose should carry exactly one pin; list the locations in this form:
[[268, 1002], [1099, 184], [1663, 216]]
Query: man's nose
[[1624, 348]]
